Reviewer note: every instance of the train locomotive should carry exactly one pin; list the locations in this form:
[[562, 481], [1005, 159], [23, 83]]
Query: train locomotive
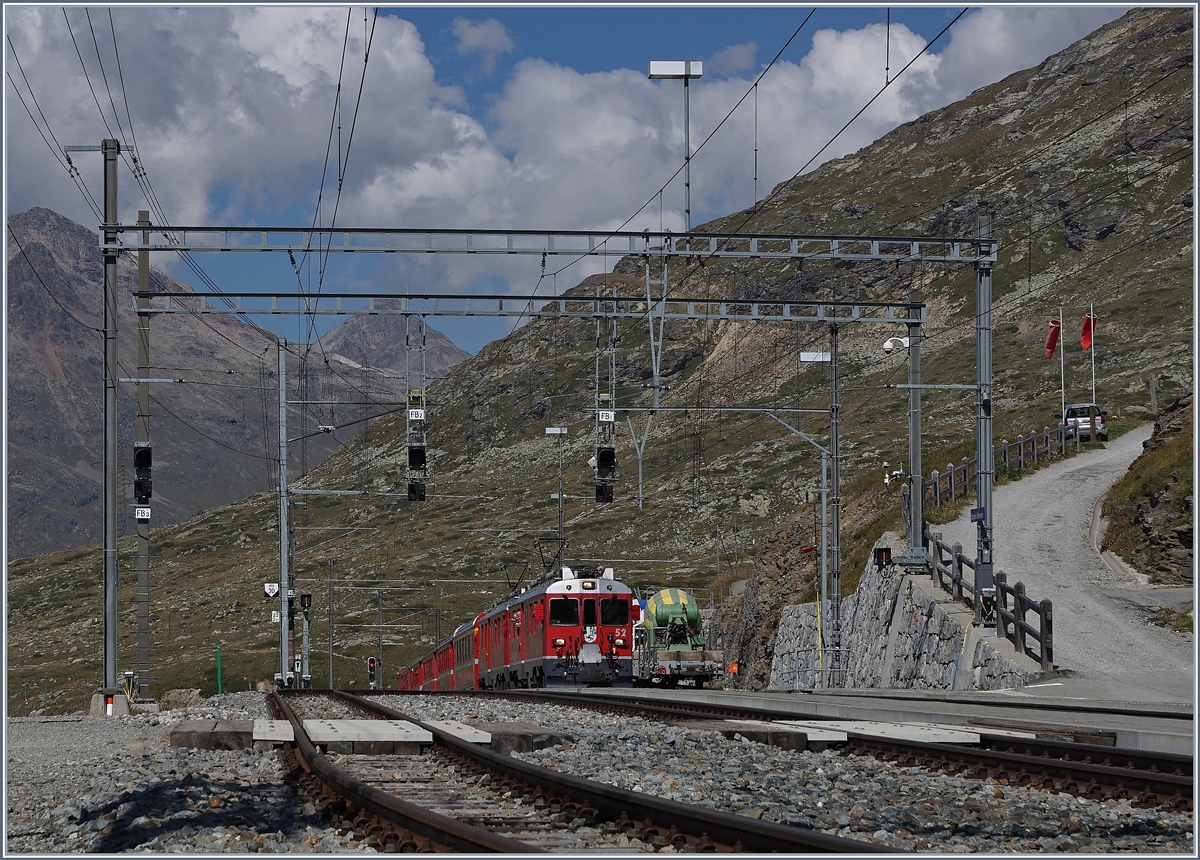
[[572, 627]]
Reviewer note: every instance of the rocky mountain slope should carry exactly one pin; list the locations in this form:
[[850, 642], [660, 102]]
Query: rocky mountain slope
[[209, 434], [1084, 163], [1151, 511]]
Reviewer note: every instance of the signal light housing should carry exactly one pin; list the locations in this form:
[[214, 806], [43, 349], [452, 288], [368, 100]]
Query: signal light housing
[[604, 494], [416, 457], [606, 461], [416, 491], [142, 458]]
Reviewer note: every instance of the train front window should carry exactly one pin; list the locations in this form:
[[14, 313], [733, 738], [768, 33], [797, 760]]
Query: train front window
[[589, 612], [614, 612], [564, 611]]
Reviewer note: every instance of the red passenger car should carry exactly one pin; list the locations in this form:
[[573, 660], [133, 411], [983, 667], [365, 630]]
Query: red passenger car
[[573, 627]]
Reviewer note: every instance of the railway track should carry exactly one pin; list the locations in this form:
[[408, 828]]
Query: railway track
[[446, 803], [1097, 772]]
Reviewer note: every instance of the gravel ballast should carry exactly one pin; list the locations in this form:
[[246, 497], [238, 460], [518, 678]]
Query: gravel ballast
[[857, 797], [112, 784]]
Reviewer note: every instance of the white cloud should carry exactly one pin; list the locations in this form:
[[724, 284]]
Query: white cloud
[[735, 58], [488, 38], [232, 109]]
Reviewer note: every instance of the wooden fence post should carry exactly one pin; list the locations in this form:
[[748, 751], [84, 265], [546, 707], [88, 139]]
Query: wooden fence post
[[1000, 580], [957, 569], [1047, 633], [1033, 435], [1004, 454], [950, 472], [937, 488], [1019, 611], [1020, 452]]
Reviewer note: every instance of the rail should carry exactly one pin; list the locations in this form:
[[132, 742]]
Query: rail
[[617, 803], [449, 832], [948, 563]]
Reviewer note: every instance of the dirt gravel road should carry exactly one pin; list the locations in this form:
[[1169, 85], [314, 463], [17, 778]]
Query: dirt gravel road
[[1102, 631]]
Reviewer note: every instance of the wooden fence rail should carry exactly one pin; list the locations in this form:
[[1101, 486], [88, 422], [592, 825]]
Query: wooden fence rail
[[1022, 631], [949, 563], [951, 485]]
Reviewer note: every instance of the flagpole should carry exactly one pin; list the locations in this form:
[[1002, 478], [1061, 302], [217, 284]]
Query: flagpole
[[1092, 346], [1062, 367]]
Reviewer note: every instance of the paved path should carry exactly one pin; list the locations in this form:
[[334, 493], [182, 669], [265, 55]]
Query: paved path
[[1102, 634]]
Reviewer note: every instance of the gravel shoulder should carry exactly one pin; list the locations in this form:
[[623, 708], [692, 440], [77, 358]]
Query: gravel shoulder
[[1103, 635]]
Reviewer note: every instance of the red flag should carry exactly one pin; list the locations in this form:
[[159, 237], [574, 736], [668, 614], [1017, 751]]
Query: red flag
[[1089, 325], [1052, 334]]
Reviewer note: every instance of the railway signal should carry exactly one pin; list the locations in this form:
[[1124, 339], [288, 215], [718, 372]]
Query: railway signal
[[371, 672], [141, 472]]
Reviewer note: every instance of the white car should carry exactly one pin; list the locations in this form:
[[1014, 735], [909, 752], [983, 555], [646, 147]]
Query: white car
[[1077, 416]]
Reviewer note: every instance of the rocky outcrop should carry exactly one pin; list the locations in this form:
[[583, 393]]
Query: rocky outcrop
[[1164, 518]]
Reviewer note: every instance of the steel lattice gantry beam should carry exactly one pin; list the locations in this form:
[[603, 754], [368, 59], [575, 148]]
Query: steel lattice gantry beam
[[553, 243], [655, 248], [538, 307]]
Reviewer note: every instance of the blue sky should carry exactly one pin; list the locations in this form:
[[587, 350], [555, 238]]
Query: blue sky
[[483, 116]]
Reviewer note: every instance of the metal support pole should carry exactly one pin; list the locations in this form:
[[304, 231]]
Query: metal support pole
[[284, 668], [687, 159], [379, 636], [143, 439], [110, 148], [984, 455], [916, 479], [305, 676], [824, 546], [835, 552], [331, 625], [562, 529], [1091, 348]]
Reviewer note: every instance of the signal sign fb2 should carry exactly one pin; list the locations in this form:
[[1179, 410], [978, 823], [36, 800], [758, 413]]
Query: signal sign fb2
[[416, 415]]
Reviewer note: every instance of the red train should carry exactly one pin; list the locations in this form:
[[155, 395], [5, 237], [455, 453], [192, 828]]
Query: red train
[[572, 627]]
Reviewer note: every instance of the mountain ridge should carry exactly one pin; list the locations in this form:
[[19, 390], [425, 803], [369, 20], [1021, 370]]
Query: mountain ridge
[[730, 496]]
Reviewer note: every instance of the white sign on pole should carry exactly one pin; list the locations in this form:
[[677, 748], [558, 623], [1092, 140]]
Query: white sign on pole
[[416, 415], [271, 588], [814, 356], [141, 513], [274, 616], [608, 415]]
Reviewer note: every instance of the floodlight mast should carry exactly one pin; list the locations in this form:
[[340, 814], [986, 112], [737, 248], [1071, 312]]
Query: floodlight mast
[[675, 70], [560, 432]]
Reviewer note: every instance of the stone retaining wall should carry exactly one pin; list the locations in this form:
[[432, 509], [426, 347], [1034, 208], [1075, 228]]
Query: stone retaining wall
[[897, 631]]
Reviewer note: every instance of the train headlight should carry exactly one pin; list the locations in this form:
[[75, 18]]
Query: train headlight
[[558, 643]]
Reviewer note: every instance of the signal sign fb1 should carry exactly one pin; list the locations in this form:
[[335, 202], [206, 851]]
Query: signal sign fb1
[[608, 415]]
